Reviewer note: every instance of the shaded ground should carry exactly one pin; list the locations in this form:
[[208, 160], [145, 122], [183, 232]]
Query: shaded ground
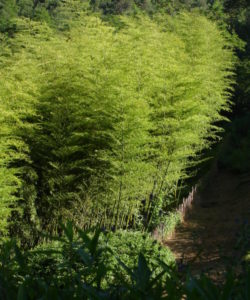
[[209, 234]]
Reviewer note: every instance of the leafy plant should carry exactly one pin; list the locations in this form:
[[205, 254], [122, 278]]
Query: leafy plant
[[77, 265]]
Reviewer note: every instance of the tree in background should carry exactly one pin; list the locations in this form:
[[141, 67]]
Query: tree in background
[[8, 11]]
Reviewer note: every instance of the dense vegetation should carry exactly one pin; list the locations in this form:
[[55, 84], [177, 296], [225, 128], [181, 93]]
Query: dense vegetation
[[235, 156], [94, 266], [101, 124], [107, 108]]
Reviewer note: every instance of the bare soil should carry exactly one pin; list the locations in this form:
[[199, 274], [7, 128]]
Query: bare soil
[[206, 240]]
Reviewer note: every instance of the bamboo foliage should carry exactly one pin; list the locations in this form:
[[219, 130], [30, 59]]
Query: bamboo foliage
[[105, 118]]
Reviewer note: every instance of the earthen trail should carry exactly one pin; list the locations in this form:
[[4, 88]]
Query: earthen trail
[[208, 235]]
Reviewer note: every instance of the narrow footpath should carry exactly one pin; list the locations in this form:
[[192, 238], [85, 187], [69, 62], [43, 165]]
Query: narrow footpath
[[208, 236]]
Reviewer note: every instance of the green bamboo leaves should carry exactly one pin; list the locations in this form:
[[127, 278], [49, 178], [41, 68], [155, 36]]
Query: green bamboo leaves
[[107, 117]]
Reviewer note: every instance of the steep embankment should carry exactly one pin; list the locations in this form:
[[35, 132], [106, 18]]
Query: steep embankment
[[209, 234]]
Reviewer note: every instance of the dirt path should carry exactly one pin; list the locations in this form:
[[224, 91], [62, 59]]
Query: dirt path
[[212, 228]]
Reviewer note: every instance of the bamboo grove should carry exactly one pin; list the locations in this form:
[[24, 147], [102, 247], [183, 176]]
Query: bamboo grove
[[100, 124]]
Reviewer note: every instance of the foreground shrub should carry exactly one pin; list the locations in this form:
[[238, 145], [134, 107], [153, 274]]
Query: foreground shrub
[[126, 247], [81, 265]]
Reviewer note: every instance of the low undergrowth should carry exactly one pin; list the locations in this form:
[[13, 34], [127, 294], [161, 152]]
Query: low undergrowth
[[167, 225], [101, 265]]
